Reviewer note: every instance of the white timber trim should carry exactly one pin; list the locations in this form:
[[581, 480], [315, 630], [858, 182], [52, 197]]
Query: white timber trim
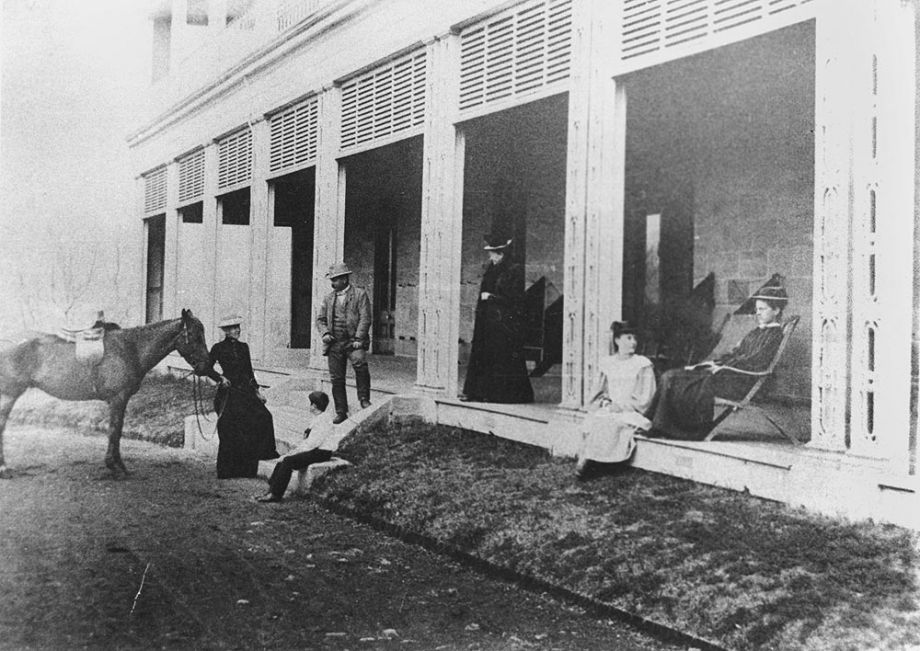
[[329, 220], [442, 226]]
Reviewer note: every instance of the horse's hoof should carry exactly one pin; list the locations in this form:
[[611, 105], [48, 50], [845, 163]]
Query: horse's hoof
[[5, 473]]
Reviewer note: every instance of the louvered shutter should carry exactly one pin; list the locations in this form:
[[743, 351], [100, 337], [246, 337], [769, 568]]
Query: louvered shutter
[[652, 28], [293, 137], [234, 161], [386, 101], [515, 54], [191, 178], [155, 191]]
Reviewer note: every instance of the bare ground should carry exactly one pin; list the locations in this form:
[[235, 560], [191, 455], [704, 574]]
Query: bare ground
[[173, 558]]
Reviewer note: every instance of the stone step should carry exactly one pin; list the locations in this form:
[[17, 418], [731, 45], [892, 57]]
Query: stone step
[[303, 479]]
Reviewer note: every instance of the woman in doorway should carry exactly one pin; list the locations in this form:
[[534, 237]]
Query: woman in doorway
[[623, 392], [683, 405], [497, 371], [244, 425]]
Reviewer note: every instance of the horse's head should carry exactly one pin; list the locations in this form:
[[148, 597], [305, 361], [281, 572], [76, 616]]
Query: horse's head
[[190, 343]]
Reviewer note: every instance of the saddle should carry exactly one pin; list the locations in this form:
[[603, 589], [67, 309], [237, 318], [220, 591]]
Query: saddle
[[90, 341]]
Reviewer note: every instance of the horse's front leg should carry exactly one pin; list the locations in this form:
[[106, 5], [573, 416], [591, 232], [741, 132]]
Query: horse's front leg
[[116, 421], [6, 406]]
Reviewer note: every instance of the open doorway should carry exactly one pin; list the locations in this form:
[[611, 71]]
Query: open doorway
[[514, 187], [294, 208], [383, 208], [719, 197], [156, 250]]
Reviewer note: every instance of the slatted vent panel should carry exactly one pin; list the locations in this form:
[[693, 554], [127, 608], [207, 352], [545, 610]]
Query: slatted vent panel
[[234, 160], [515, 53], [191, 177], [384, 102], [654, 25], [293, 137], [155, 190]]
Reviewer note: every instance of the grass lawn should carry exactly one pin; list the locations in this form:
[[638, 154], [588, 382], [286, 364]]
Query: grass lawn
[[741, 571], [155, 413]]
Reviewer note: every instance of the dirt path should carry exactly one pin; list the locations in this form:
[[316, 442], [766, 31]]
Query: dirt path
[[173, 558]]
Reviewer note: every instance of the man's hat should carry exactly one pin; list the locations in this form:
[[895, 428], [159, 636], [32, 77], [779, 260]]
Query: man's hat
[[496, 243], [338, 269], [621, 328], [230, 320], [773, 290]]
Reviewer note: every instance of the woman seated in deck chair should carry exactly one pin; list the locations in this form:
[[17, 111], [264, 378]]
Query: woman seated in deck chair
[[684, 403], [623, 392]]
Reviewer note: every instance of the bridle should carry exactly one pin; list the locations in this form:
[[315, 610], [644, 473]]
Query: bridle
[[197, 389]]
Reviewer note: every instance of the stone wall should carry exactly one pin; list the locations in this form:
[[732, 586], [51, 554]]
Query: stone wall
[[387, 181], [735, 126], [514, 183]]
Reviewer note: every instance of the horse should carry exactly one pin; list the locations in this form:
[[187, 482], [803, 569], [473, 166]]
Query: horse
[[49, 363]]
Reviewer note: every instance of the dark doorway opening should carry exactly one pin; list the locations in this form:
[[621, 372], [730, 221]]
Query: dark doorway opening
[[383, 208], [156, 249], [514, 189], [294, 208]]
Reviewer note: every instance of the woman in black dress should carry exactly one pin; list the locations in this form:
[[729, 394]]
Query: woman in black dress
[[497, 371], [683, 405], [244, 425]]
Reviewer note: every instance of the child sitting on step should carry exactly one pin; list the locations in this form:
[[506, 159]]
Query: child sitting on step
[[322, 438]]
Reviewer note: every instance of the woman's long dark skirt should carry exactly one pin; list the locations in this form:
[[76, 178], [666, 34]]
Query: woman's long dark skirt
[[246, 432], [684, 403], [497, 371]]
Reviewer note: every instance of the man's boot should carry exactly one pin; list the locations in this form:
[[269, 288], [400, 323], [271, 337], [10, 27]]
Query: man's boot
[[363, 382], [340, 398]]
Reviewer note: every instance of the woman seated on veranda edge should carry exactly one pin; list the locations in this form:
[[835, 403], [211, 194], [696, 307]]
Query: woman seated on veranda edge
[[683, 405], [623, 392]]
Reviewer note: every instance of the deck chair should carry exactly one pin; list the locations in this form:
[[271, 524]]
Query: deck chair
[[729, 407]]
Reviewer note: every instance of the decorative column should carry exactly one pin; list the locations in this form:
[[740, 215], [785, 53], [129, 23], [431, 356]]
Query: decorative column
[[259, 223], [594, 198], [863, 267], [883, 145], [171, 244], [606, 178], [329, 220], [442, 223], [836, 30]]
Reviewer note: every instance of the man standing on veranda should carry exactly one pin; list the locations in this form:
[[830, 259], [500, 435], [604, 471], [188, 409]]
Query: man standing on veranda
[[343, 321]]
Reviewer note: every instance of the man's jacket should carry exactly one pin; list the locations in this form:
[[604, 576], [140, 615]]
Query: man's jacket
[[357, 311]]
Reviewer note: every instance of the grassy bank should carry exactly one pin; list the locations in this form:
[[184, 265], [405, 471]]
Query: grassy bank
[[741, 571], [155, 413]]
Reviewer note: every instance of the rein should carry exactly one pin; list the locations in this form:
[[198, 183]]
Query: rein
[[198, 398]]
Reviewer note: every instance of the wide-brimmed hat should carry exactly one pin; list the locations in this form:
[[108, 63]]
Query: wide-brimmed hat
[[230, 320], [773, 290], [338, 269], [621, 328], [496, 243]]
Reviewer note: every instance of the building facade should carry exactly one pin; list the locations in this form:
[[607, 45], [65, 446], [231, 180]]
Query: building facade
[[631, 150]]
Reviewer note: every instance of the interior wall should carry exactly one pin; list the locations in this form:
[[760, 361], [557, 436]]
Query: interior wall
[[736, 125], [388, 179], [514, 184]]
